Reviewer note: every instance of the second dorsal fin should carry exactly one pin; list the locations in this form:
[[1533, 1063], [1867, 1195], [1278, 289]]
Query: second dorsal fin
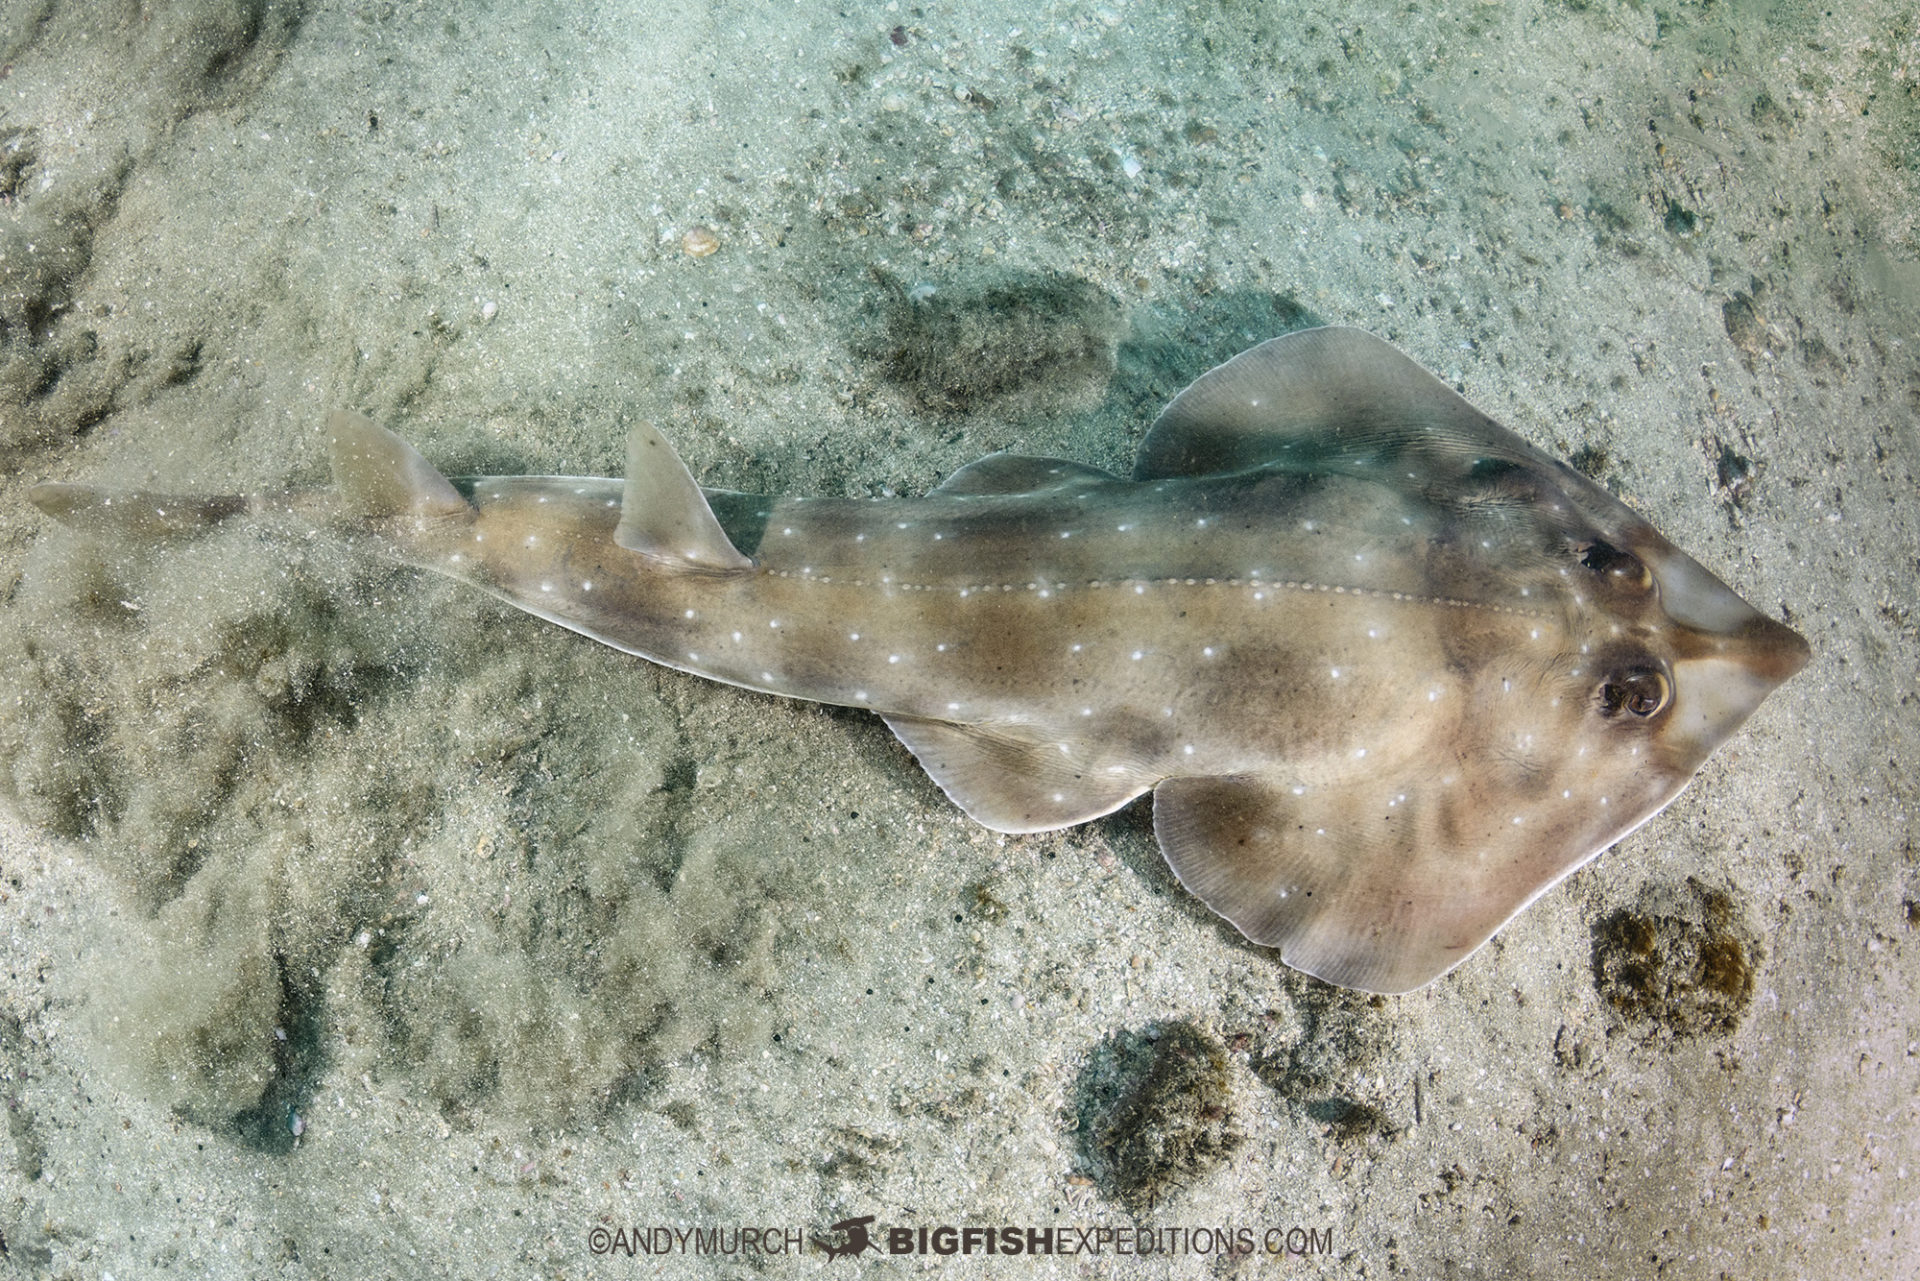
[[379, 475]]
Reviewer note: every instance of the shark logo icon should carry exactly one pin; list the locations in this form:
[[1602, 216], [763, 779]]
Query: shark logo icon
[[857, 1242]]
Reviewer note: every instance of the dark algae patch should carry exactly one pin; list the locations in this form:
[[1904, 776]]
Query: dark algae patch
[[1156, 1112], [1681, 960], [1342, 1035], [1013, 342]]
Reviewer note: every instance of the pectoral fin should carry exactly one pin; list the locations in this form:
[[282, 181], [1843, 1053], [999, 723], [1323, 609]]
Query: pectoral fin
[[1365, 886]]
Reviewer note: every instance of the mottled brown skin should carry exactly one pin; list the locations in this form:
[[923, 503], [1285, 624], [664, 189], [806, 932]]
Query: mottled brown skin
[[1390, 671]]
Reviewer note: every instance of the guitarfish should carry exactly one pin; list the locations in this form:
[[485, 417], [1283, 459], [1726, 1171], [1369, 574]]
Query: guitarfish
[[1389, 671]]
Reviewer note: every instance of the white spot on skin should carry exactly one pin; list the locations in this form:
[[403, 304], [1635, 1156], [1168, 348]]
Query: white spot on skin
[[1207, 651], [546, 587], [773, 623], [850, 635], [953, 707], [1187, 750], [736, 636], [893, 658], [1139, 654], [1336, 673], [1358, 752], [587, 586], [689, 613], [1433, 696]]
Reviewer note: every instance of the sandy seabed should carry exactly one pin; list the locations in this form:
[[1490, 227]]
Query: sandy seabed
[[359, 926]]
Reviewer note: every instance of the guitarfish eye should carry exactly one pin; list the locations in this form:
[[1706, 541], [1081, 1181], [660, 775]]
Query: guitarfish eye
[[1641, 691]]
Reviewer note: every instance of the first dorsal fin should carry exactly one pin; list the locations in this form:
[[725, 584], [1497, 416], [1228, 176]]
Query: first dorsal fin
[[664, 514]]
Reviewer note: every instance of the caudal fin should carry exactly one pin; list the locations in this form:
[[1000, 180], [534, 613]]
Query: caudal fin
[[378, 474], [132, 513]]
